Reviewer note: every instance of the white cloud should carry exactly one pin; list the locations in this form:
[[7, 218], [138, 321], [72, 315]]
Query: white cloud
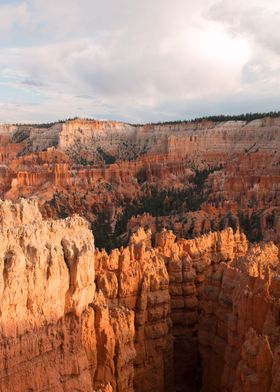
[[135, 60], [12, 16]]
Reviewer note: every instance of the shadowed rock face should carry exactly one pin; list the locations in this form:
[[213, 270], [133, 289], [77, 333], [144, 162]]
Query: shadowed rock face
[[142, 318]]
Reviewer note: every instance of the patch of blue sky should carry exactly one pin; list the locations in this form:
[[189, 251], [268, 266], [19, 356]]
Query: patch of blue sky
[[13, 93], [10, 2]]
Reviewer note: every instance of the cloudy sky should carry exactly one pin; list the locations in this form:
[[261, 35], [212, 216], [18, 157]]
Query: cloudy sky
[[137, 60]]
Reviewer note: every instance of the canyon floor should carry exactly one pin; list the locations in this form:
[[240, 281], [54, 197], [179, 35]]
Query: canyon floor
[[140, 257]]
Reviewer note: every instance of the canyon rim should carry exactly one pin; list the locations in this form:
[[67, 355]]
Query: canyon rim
[[140, 258], [139, 196]]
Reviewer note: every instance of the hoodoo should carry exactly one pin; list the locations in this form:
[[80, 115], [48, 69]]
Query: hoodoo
[[180, 315], [139, 208]]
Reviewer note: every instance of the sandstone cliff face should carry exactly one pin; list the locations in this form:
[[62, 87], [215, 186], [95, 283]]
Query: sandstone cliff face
[[188, 263], [223, 307], [91, 139], [136, 277], [57, 333], [78, 319], [239, 324], [125, 141], [7, 129], [102, 167]]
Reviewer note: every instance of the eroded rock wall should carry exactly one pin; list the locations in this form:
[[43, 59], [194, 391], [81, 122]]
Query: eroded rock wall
[[222, 292], [180, 139], [222, 173], [188, 263], [92, 138], [56, 332], [239, 323], [139, 319], [136, 277]]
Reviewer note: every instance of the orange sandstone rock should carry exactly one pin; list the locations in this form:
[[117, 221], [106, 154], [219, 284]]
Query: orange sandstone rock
[[74, 318]]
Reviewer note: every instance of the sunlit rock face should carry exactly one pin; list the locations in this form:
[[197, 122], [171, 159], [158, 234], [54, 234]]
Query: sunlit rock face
[[136, 278], [57, 332], [205, 175], [160, 313], [182, 315], [123, 141]]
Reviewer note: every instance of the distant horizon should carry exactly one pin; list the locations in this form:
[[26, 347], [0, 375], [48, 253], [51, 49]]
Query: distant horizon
[[250, 116]]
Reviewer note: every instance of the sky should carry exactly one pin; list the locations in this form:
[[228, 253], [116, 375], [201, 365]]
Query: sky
[[137, 61]]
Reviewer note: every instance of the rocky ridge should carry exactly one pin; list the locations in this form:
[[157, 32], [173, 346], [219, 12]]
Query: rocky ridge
[[57, 333], [204, 175], [123, 141], [74, 318]]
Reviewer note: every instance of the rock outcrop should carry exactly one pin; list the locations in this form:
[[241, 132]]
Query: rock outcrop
[[92, 138], [56, 332], [239, 323], [181, 315], [136, 277], [188, 264], [138, 319], [206, 175]]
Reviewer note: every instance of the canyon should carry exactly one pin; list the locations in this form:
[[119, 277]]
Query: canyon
[[191, 177], [140, 258], [142, 318]]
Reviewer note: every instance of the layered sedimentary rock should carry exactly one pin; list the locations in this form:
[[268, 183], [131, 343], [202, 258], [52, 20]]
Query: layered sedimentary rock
[[103, 167], [141, 318], [224, 309], [57, 333], [239, 325], [188, 263], [122, 140], [136, 277], [224, 301], [119, 139]]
